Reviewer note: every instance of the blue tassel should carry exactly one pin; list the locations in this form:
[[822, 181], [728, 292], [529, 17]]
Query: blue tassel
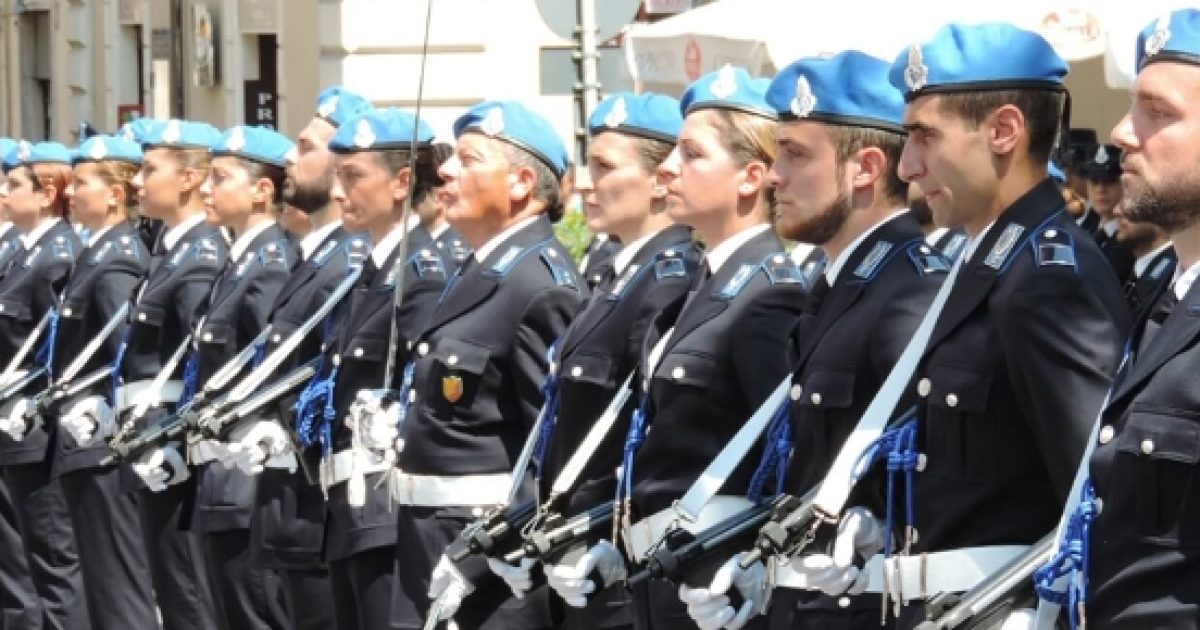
[[1073, 560], [775, 457], [633, 441], [898, 447], [45, 353], [191, 373], [115, 376], [260, 353], [550, 402]]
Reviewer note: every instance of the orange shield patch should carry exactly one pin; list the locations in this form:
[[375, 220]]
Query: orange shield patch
[[452, 388]]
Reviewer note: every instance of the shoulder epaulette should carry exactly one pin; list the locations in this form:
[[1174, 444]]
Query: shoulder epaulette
[[926, 259], [207, 250], [427, 264], [873, 260], [560, 268], [1053, 247], [357, 250], [62, 248], [458, 250], [740, 279], [509, 260], [321, 256], [669, 263], [954, 248], [624, 281], [1163, 265], [781, 269], [275, 254]]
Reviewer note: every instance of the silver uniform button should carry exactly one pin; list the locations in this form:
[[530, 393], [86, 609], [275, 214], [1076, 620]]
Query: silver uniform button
[[796, 392], [337, 360], [276, 338], [1147, 446], [452, 359], [815, 398], [476, 511], [66, 312], [358, 352], [678, 372], [1051, 233], [207, 337], [141, 316], [1106, 433], [924, 386], [951, 400], [423, 349], [843, 602], [577, 371], [412, 396]]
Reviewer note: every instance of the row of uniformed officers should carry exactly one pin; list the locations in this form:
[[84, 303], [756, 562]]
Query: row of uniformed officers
[[468, 338]]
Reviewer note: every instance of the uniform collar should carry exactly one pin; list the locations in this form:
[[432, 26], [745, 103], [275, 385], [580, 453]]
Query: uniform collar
[[38, 232], [383, 250], [1110, 227], [832, 271], [481, 254], [1142, 264], [1087, 212], [174, 234], [95, 237], [1183, 282], [974, 241], [936, 235], [310, 243], [239, 246], [625, 256], [436, 234], [721, 253]]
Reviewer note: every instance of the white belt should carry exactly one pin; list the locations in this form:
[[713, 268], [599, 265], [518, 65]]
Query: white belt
[[339, 467], [204, 451], [287, 462], [462, 490], [16, 376], [954, 571], [645, 534], [784, 577], [130, 394]]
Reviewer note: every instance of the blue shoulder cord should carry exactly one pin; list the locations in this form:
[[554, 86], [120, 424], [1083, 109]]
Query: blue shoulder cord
[[45, 354], [633, 441], [191, 373], [115, 376], [776, 456], [898, 447], [318, 395], [550, 402]]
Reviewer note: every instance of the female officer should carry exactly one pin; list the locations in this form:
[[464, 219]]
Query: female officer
[[631, 136], [724, 354], [242, 194], [116, 572], [183, 265], [36, 205]]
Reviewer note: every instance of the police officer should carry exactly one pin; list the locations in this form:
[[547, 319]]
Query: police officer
[[1030, 334], [631, 135], [480, 362], [1103, 174], [431, 207], [184, 263], [1143, 573], [287, 527], [37, 204], [840, 122], [115, 568], [10, 237], [341, 411], [1080, 147], [241, 194]]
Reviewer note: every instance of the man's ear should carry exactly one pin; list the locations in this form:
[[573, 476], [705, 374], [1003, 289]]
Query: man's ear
[[1006, 126], [521, 183], [400, 184]]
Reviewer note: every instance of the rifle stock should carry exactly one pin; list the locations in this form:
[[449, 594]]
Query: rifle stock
[[494, 533], [681, 551], [558, 534]]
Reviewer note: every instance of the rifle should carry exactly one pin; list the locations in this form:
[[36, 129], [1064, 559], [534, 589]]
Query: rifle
[[495, 532], [982, 606], [43, 404], [15, 387], [681, 551], [558, 534]]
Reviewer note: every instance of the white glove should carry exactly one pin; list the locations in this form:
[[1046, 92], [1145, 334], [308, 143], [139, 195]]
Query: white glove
[[571, 581], [87, 419], [710, 607], [519, 577], [14, 423], [252, 447], [161, 468], [378, 423], [1020, 619], [448, 587], [859, 533]]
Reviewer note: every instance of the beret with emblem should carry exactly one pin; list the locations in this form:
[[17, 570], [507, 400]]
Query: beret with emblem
[[48, 153], [257, 144], [1174, 36], [381, 130], [647, 115], [519, 126], [8, 148], [1104, 164], [977, 58], [139, 129], [728, 88], [181, 134], [336, 105], [103, 148], [850, 89]]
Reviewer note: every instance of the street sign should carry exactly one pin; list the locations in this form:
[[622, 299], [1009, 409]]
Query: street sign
[[562, 16]]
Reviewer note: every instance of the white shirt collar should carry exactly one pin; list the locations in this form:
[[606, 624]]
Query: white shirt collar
[[1184, 281], [95, 238], [436, 234], [481, 254], [625, 256], [934, 236], [973, 242], [5, 227], [239, 246], [832, 271], [310, 243], [721, 253], [174, 234], [1141, 264], [801, 252], [381, 250], [1110, 227], [1087, 212], [37, 232]]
